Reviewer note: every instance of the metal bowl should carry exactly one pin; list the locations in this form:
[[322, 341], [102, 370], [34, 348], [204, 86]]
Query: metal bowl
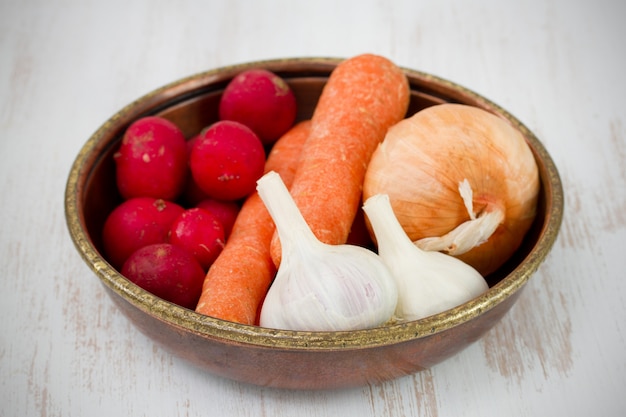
[[295, 359]]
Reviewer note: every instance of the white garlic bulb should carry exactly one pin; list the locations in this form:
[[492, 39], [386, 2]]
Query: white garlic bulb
[[321, 287], [428, 282]]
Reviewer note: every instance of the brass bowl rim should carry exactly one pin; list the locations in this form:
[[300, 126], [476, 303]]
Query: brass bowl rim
[[221, 330]]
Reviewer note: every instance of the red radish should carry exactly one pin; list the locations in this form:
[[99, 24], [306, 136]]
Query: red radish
[[136, 223], [225, 211], [151, 160], [261, 100], [192, 194], [167, 271], [226, 160], [200, 233]]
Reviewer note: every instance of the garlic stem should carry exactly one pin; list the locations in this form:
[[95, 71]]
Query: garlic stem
[[428, 282], [320, 287], [290, 224], [469, 234]]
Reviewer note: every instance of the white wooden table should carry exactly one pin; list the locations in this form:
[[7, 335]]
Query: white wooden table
[[67, 66]]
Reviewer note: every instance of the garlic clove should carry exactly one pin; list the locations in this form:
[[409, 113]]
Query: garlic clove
[[428, 282], [320, 287]]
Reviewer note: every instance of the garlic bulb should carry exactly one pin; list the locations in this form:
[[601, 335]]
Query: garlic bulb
[[428, 282], [321, 287]]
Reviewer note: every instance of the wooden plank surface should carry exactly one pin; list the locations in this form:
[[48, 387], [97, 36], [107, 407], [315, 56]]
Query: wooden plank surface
[[66, 66]]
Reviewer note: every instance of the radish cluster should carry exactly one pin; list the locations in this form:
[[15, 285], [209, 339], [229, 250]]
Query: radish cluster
[[181, 196]]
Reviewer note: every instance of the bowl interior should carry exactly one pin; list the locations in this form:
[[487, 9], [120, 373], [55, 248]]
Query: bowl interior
[[192, 104]]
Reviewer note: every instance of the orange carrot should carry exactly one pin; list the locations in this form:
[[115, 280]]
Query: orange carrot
[[237, 281], [364, 96]]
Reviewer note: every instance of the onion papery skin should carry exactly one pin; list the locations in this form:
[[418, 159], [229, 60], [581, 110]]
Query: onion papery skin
[[425, 157]]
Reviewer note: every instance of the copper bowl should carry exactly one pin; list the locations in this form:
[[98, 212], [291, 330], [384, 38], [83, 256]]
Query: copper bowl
[[289, 359]]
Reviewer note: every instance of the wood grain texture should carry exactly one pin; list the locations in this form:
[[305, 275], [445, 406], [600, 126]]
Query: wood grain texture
[[65, 67]]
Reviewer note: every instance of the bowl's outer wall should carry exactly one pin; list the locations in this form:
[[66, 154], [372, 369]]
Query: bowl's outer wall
[[192, 104], [312, 369]]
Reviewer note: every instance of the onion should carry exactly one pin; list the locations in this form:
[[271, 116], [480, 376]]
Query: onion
[[460, 180]]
